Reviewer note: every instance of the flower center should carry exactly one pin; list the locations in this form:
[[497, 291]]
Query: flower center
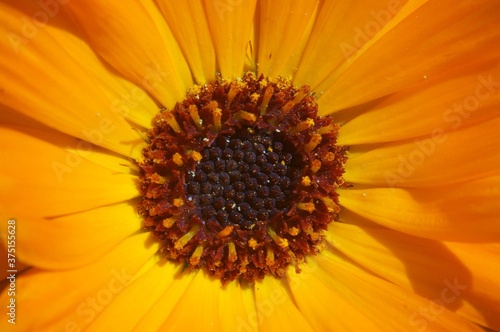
[[239, 179], [245, 178]]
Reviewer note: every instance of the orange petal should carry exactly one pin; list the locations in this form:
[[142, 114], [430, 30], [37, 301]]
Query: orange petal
[[81, 293], [140, 296], [461, 212], [237, 305], [167, 302], [73, 240], [276, 309], [72, 103], [135, 40], [348, 26], [417, 44], [283, 35], [230, 25], [441, 158], [189, 25], [323, 304], [388, 306], [429, 268], [43, 178], [484, 299], [468, 96], [125, 98], [348, 217], [208, 314]]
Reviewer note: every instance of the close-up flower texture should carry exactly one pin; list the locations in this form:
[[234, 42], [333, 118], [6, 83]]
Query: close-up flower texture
[[250, 165]]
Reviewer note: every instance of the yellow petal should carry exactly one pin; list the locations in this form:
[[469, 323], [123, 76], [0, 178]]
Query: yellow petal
[[341, 28], [461, 212], [416, 45], [348, 217], [275, 308], [230, 25], [323, 304], [466, 97], [125, 98], [484, 304], [81, 293], [452, 274], [140, 296], [156, 316], [188, 23], [12, 118], [438, 159], [283, 34], [386, 305], [237, 307], [75, 239], [45, 179], [135, 40], [204, 313], [72, 103]]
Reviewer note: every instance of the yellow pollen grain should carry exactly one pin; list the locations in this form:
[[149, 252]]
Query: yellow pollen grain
[[252, 243], [313, 143], [232, 255], [195, 155], [330, 156], [177, 158], [225, 232], [169, 222], [178, 202], [195, 116], [309, 207], [254, 97], [158, 179], [181, 242], [263, 83], [196, 256], [315, 165], [306, 181], [195, 89], [294, 231]]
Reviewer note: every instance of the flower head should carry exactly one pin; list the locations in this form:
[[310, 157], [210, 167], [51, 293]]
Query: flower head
[[333, 163]]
